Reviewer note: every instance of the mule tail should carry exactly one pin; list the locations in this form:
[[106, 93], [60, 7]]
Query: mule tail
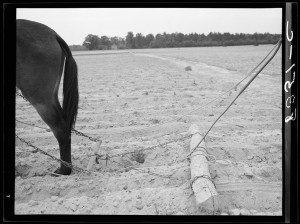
[[70, 86]]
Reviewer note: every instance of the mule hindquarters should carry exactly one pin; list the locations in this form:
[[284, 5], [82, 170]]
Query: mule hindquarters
[[39, 66]]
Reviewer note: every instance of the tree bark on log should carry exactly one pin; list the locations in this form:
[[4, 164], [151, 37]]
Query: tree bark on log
[[202, 185]]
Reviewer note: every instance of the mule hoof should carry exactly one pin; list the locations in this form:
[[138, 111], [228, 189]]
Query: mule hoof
[[63, 171]]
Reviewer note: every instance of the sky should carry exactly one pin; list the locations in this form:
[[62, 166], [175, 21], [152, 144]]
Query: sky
[[74, 24]]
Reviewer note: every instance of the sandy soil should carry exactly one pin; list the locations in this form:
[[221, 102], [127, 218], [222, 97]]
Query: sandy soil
[[140, 99]]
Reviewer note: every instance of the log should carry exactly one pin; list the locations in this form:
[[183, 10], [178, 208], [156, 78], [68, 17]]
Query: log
[[202, 185]]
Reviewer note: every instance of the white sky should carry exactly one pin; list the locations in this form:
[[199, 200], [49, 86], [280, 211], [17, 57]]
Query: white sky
[[74, 24]]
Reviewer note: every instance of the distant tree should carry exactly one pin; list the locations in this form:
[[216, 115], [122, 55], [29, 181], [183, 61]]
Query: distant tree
[[179, 37], [130, 40], [91, 42], [118, 41], [148, 39], [139, 41], [121, 43], [104, 43], [114, 40], [105, 40]]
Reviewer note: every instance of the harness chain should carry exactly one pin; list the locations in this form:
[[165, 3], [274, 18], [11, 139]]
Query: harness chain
[[53, 157], [73, 130]]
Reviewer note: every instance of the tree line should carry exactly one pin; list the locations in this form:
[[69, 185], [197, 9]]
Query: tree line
[[165, 40]]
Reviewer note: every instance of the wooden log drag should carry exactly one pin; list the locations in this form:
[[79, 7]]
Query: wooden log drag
[[202, 185]]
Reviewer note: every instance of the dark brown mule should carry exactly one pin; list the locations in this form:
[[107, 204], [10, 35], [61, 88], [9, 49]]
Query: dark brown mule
[[41, 54]]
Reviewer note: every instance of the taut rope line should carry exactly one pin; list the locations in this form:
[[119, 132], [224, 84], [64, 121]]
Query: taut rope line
[[240, 92]]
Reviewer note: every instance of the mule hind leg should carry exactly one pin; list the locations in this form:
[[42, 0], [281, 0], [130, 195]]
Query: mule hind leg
[[52, 115], [39, 84]]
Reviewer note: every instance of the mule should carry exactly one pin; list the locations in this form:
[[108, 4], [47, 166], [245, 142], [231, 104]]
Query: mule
[[42, 55]]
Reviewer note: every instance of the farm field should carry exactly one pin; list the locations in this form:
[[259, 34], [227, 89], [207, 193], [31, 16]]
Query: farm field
[[141, 98]]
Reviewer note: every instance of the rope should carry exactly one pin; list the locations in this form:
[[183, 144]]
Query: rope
[[240, 92], [277, 46], [202, 176], [201, 153]]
